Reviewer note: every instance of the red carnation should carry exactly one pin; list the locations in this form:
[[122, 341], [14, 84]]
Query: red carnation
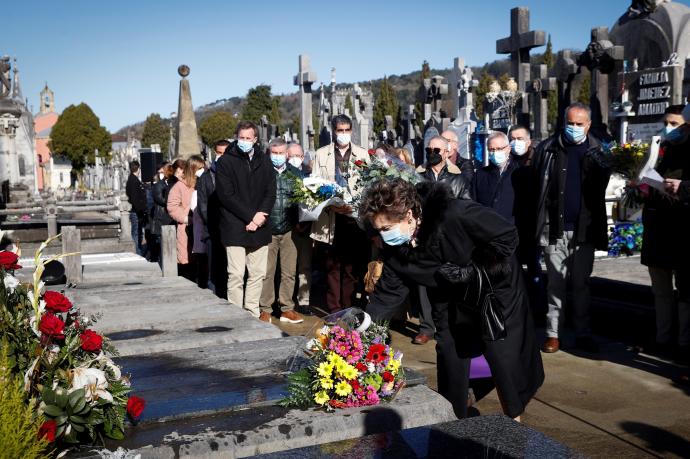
[[8, 261], [359, 163], [48, 430], [361, 367], [135, 406], [377, 353], [56, 301], [387, 376], [371, 152], [91, 341], [355, 385], [52, 326]]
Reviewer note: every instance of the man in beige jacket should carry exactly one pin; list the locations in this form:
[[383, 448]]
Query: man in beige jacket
[[346, 247]]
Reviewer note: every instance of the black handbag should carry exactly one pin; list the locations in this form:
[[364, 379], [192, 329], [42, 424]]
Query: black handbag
[[490, 313]]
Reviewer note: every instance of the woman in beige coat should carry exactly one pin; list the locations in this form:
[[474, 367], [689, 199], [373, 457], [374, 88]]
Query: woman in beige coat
[[179, 201]]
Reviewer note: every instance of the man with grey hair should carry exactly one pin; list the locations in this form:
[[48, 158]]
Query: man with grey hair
[[466, 165], [304, 243], [493, 186], [439, 169], [283, 218], [571, 220]]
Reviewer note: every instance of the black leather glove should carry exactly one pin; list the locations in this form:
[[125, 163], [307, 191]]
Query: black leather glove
[[457, 274]]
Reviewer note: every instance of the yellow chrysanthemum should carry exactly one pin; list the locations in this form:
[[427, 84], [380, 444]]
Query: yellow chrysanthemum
[[334, 359], [325, 369], [326, 383], [321, 397], [343, 389], [393, 365], [349, 372]]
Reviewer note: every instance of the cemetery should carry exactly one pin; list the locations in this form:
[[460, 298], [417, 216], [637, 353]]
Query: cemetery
[[213, 376]]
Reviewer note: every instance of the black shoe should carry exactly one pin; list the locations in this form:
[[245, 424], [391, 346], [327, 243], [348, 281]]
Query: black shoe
[[587, 344], [304, 310]]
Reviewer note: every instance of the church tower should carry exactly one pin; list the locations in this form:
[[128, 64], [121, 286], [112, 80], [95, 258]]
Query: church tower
[[47, 100]]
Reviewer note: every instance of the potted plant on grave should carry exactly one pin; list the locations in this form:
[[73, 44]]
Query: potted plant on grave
[[65, 365]]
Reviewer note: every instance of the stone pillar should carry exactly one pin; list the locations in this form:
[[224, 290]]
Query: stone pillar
[[304, 79], [125, 223], [51, 218], [71, 243], [169, 250], [187, 139]]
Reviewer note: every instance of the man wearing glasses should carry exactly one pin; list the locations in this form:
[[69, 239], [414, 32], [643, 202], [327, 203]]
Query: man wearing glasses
[[493, 186]]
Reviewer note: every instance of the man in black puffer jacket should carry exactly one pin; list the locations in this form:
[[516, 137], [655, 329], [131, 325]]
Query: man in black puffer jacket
[[283, 218]]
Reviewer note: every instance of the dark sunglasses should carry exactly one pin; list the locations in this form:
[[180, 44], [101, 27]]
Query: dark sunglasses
[[430, 151]]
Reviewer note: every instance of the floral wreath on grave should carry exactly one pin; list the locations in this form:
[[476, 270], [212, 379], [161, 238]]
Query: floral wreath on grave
[[348, 365], [66, 366]]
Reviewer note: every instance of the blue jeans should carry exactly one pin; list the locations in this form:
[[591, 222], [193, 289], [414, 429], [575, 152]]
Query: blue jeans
[[137, 233]]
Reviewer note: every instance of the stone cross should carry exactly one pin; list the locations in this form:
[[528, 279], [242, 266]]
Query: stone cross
[[566, 69], [263, 131], [409, 116], [601, 58], [539, 88], [460, 84], [304, 79], [518, 45]]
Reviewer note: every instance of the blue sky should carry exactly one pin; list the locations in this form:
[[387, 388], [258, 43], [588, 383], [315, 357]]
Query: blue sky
[[121, 57]]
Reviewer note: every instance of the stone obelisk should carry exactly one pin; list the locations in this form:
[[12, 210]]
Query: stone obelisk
[[187, 137]]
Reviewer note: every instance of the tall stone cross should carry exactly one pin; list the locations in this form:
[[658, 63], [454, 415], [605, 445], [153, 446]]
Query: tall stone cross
[[460, 84], [304, 79], [518, 45], [539, 88], [602, 58], [566, 69], [409, 117]]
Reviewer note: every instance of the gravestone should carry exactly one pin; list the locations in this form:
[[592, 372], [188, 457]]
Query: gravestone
[[304, 79], [460, 84], [602, 58], [518, 45], [539, 89], [186, 136], [566, 70]]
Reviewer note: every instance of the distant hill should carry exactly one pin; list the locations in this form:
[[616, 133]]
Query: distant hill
[[406, 87]]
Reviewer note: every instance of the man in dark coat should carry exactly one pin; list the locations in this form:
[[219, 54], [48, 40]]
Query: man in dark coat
[[493, 185], [209, 211], [246, 190], [571, 220], [666, 247], [136, 194], [466, 165]]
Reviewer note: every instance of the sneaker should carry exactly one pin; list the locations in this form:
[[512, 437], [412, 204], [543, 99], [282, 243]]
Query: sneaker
[[265, 317], [292, 317]]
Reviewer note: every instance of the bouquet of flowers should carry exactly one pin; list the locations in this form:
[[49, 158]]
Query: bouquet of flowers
[[388, 168], [350, 365], [66, 366], [628, 160], [313, 195], [625, 238]]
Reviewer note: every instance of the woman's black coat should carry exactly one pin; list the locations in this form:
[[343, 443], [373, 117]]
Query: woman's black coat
[[160, 215], [463, 232]]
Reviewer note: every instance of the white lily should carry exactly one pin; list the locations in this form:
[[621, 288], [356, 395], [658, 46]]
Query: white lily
[[105, 360], [93, 381], [11, 283]]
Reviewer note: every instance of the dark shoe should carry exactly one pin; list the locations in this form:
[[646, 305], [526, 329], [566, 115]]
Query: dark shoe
[[305, 310], [551, 345], [265, 316], [587, 344], [291, 317], [421, 339]]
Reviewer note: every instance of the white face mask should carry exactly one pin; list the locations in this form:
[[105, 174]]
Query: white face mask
[[199, 172], [160, 176], [518, 147], [343, 139], [295, 161]]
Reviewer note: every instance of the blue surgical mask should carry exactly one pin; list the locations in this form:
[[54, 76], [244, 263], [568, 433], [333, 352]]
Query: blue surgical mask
[[245, 145], [394, 236], [575, 134], [670, 133], [519, 147], [278, 160], [498, 157]]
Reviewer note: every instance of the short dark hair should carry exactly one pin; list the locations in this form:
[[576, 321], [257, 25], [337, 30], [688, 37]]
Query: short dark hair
[[674, 110], [341, 119], [134, 166], [390, 197], [517, 127], [243, 125], [221, 143]]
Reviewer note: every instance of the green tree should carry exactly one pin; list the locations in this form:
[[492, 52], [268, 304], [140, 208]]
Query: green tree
[[155, 132], [549, 58], [259, 102], [274, 117], [78, 134], [386, 104], [426, 71], [552, 100], [503, 80], [485, 81], [217, 126], [348, 105], [316, 124], [584, 95]]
